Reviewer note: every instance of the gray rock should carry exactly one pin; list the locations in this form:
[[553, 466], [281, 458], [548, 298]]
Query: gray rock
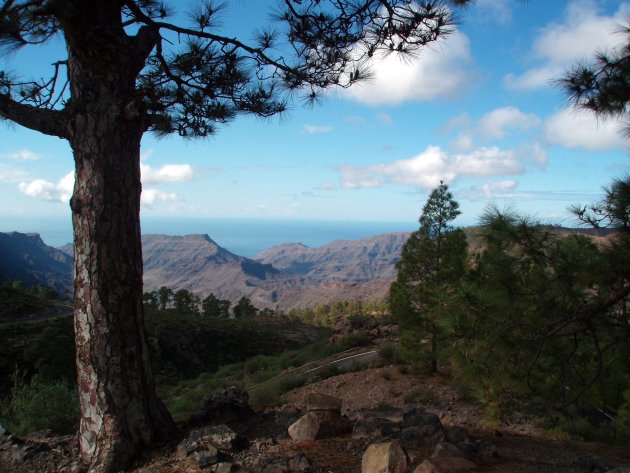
[[206, 458], [322, 402], [318, 425], [224, 467], [224, 405], [447, 450], [421, 427], [384, 413], [207, 441], [220, 436], [386, 457], [366, 429]]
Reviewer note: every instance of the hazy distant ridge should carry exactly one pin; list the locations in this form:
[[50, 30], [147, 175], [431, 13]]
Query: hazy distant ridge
[[362, 260]]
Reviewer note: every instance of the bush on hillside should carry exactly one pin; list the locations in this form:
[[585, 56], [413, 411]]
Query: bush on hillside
[[40, 405]]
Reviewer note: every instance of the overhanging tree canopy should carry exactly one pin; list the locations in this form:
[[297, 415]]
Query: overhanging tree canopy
[[129, 70]]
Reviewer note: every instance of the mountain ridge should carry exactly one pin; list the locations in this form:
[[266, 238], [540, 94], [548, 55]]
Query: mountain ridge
[[283, 276]]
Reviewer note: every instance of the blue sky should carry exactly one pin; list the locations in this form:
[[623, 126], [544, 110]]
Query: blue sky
[[477, 110]]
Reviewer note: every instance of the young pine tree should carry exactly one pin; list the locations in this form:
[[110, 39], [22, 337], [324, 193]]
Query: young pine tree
[[432, 262]]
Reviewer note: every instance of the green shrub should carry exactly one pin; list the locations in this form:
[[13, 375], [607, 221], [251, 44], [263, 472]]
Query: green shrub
[[40, 405], [389, 353], [270, 394], [358, 338], [358, 321]]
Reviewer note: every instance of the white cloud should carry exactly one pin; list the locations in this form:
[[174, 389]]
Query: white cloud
[[432, 166], [579, 129], [52, 192], [167, 173], [495, 124], [22, 155], [440, 71], [150, 196], [61, 191], [313, 129], [507, 190], [533, 152], [464, 142], [489, 190], [559, 45]]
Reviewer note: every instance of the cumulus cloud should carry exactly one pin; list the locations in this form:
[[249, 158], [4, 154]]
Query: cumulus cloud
[[61, 191], [579, 35], [440, 71], [495, 124], [432, 166], [313, 129], [22, 155], [578, 129], [167, 173], [150, 196]]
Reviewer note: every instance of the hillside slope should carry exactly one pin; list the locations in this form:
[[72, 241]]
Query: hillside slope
[[25, 257], [198, 264]]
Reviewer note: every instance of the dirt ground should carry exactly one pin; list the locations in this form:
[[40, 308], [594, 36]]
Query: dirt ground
[[520, 448]]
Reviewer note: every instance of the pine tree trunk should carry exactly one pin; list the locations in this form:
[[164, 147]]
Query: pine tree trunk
[[434, 349], [120, 412]]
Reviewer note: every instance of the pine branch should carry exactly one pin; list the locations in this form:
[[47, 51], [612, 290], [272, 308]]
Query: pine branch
[[49, 122]]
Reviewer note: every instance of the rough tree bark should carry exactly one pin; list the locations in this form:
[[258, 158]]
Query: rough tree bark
[[120, 412], [109, 327]]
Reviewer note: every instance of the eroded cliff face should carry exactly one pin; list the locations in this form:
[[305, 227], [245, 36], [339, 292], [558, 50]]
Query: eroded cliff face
[[284, 276], [352, 261]]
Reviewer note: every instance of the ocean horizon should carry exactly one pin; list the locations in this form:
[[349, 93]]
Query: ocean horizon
[[245, 237]]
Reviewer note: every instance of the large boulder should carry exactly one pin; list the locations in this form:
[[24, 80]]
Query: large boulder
[[447, 450], [317, 425], [322, 402], [421, 427], [411, 424], [209, 445], [385, 457], [322, 420], [224, 405]]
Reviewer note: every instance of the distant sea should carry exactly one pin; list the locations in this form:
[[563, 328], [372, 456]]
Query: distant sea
[[245, 237]]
